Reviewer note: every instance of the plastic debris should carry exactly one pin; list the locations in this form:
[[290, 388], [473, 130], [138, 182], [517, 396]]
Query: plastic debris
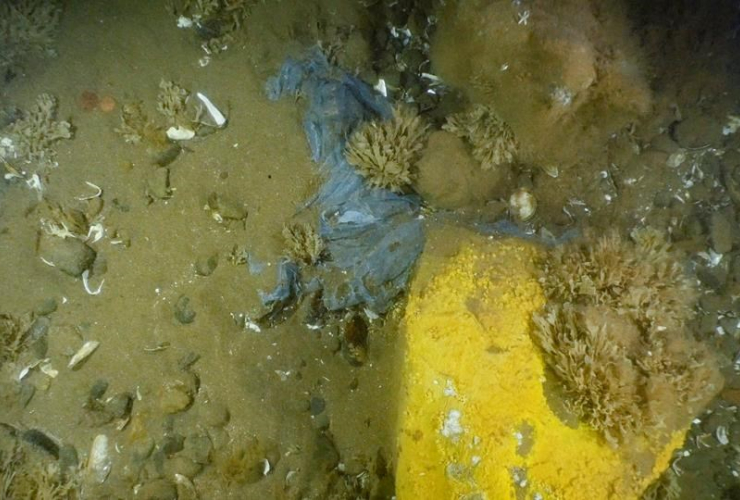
[[374, 236]]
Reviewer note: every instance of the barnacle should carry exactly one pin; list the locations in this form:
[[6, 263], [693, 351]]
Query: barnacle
[[491, 139], [384, 152], [614, 334]]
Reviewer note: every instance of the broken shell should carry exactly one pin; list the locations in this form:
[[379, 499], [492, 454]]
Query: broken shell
[[95, 233], [522, 204], [721, 435], [85, 351], [184, 22], [218, 117], [48, 370], [551, 170], [676, 159], [86, 284], [180, 133], [96, 194], [99, 463]]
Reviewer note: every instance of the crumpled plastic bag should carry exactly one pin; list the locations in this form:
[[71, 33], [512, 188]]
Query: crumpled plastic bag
[[373, 236]]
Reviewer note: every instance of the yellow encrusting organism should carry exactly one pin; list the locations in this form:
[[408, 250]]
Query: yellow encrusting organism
[[477, 420]]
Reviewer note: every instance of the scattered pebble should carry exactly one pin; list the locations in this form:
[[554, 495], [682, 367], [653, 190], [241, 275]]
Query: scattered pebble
[[205, 265], [69, 255], [175, 397], [184, 314], [156, 489], [721, 232]]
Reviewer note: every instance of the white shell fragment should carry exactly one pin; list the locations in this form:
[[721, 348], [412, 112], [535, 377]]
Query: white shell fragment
[[721, 435], [85, 351], [733, 124], [217, 116], [86, 283], [99, 463], [381, 87], [184, 22], [95, 233], [180, 133], [96, 194], [266, 467], [27, 369], [676, 159], [522, 204], [48, 370]]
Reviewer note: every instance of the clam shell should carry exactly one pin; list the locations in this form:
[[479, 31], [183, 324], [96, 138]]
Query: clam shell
[[85, 351]]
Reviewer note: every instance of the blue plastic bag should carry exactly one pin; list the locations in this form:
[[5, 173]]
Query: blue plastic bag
[[373, 236]]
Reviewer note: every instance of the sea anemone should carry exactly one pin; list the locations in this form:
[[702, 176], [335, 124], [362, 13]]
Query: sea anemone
[[614, 335], [491, 139], [384, 152]]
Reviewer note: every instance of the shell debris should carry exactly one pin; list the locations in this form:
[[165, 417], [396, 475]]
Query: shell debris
[[99, 462], [217, 116], [85, 351]]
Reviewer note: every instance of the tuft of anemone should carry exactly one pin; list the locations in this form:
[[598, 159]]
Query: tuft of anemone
[[303, 244], [614, 334], [384, 152], [491, 139]]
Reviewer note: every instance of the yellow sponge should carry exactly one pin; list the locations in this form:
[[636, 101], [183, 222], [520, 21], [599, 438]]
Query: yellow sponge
[[476, 421]]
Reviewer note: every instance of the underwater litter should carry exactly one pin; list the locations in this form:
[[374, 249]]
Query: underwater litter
[[373, 235]]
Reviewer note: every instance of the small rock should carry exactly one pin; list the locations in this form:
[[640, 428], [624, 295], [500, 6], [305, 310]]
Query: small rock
[[317, 405], [224, 208], [325, 456], [182, 465], [321, 422], [175, 397], [69, 255], [158, 184], [653, 158], [721, 233], [199, 448], [37, 337], [219, 437], [205, 266], [27, 390], [157, 489], [142, 448], [120, 405], [214, 414], [663, 143], [184, 314], [68, 458], [98, 389], [697, 131], [46, 307], [171, 444]]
